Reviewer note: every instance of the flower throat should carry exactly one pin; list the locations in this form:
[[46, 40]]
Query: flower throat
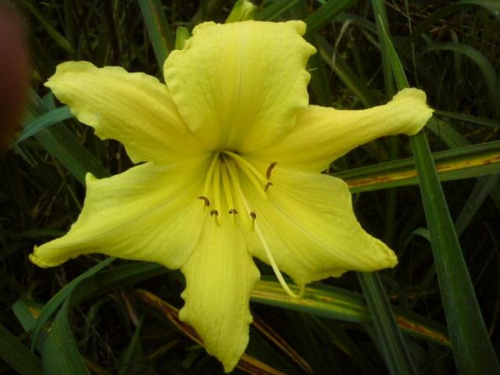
[[223, 195]]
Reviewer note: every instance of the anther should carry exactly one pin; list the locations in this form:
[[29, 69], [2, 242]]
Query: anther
[[214, 213], [268, 185], [253, 215], [205, 199], [233, 211], [270, 170]]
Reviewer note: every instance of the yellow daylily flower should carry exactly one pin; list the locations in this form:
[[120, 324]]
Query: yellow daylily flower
[[232, 156]]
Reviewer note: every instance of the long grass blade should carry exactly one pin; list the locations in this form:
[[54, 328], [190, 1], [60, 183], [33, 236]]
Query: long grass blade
[[336, 303], [325, 14], [471, 344], [321, 300], [470, 119], [484, 65], [457, 164], [17, 355], [389, 339], [60, 353], [61, 296], [44, 121], [391, 343], [274, 9], [159, 31], [483, 188]]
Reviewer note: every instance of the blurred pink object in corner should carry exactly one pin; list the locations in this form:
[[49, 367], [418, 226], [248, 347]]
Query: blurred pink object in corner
[[14, 72]]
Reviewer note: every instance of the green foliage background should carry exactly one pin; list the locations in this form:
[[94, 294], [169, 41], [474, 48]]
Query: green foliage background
[[436, 312]]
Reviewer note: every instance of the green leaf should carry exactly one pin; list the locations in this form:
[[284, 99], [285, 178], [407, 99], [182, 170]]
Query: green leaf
[[133, 360], [60, 353], [431, 20], [492, 6], [17, 355], [456, 164], [60, 40], [61, 296], [274, 9], [447, 133], [66, 148], [159, 31], [116, 277], [344, 72], [472, 347], [336, 303], [483, 188], [320, 82], [326, 13], [391, 345], [469, 119], [44, 121], [389, 338], [63, 145], [487, 69]]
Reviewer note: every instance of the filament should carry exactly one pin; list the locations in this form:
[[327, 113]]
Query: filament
[[253, 174], [226, 183], [210, 174], [216, 184]]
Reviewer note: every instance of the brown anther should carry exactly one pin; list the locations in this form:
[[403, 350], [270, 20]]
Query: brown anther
[[270, 170], [253, 215], [267, 186], [233, 211], [214, 213], [205, 199]]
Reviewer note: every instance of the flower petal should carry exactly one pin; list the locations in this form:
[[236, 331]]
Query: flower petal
[[133, 108], [310, 228], [325, 134], [147, 213], [220, 276], [239, 86]]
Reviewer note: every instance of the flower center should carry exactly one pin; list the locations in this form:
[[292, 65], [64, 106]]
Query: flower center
[[224, 197], [222, 192]]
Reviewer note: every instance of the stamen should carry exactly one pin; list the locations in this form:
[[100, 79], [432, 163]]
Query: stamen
[[253, 215], [205, 199], [276, 270], [244, 163], [210, 173], [233, 211], [233, 172], [216, 185], [268, 185], [214, 213], [270, 170], [226, 183], [249, 171]]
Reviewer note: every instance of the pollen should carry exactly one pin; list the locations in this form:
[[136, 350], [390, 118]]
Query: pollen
[[270, 170], [205, 199]]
